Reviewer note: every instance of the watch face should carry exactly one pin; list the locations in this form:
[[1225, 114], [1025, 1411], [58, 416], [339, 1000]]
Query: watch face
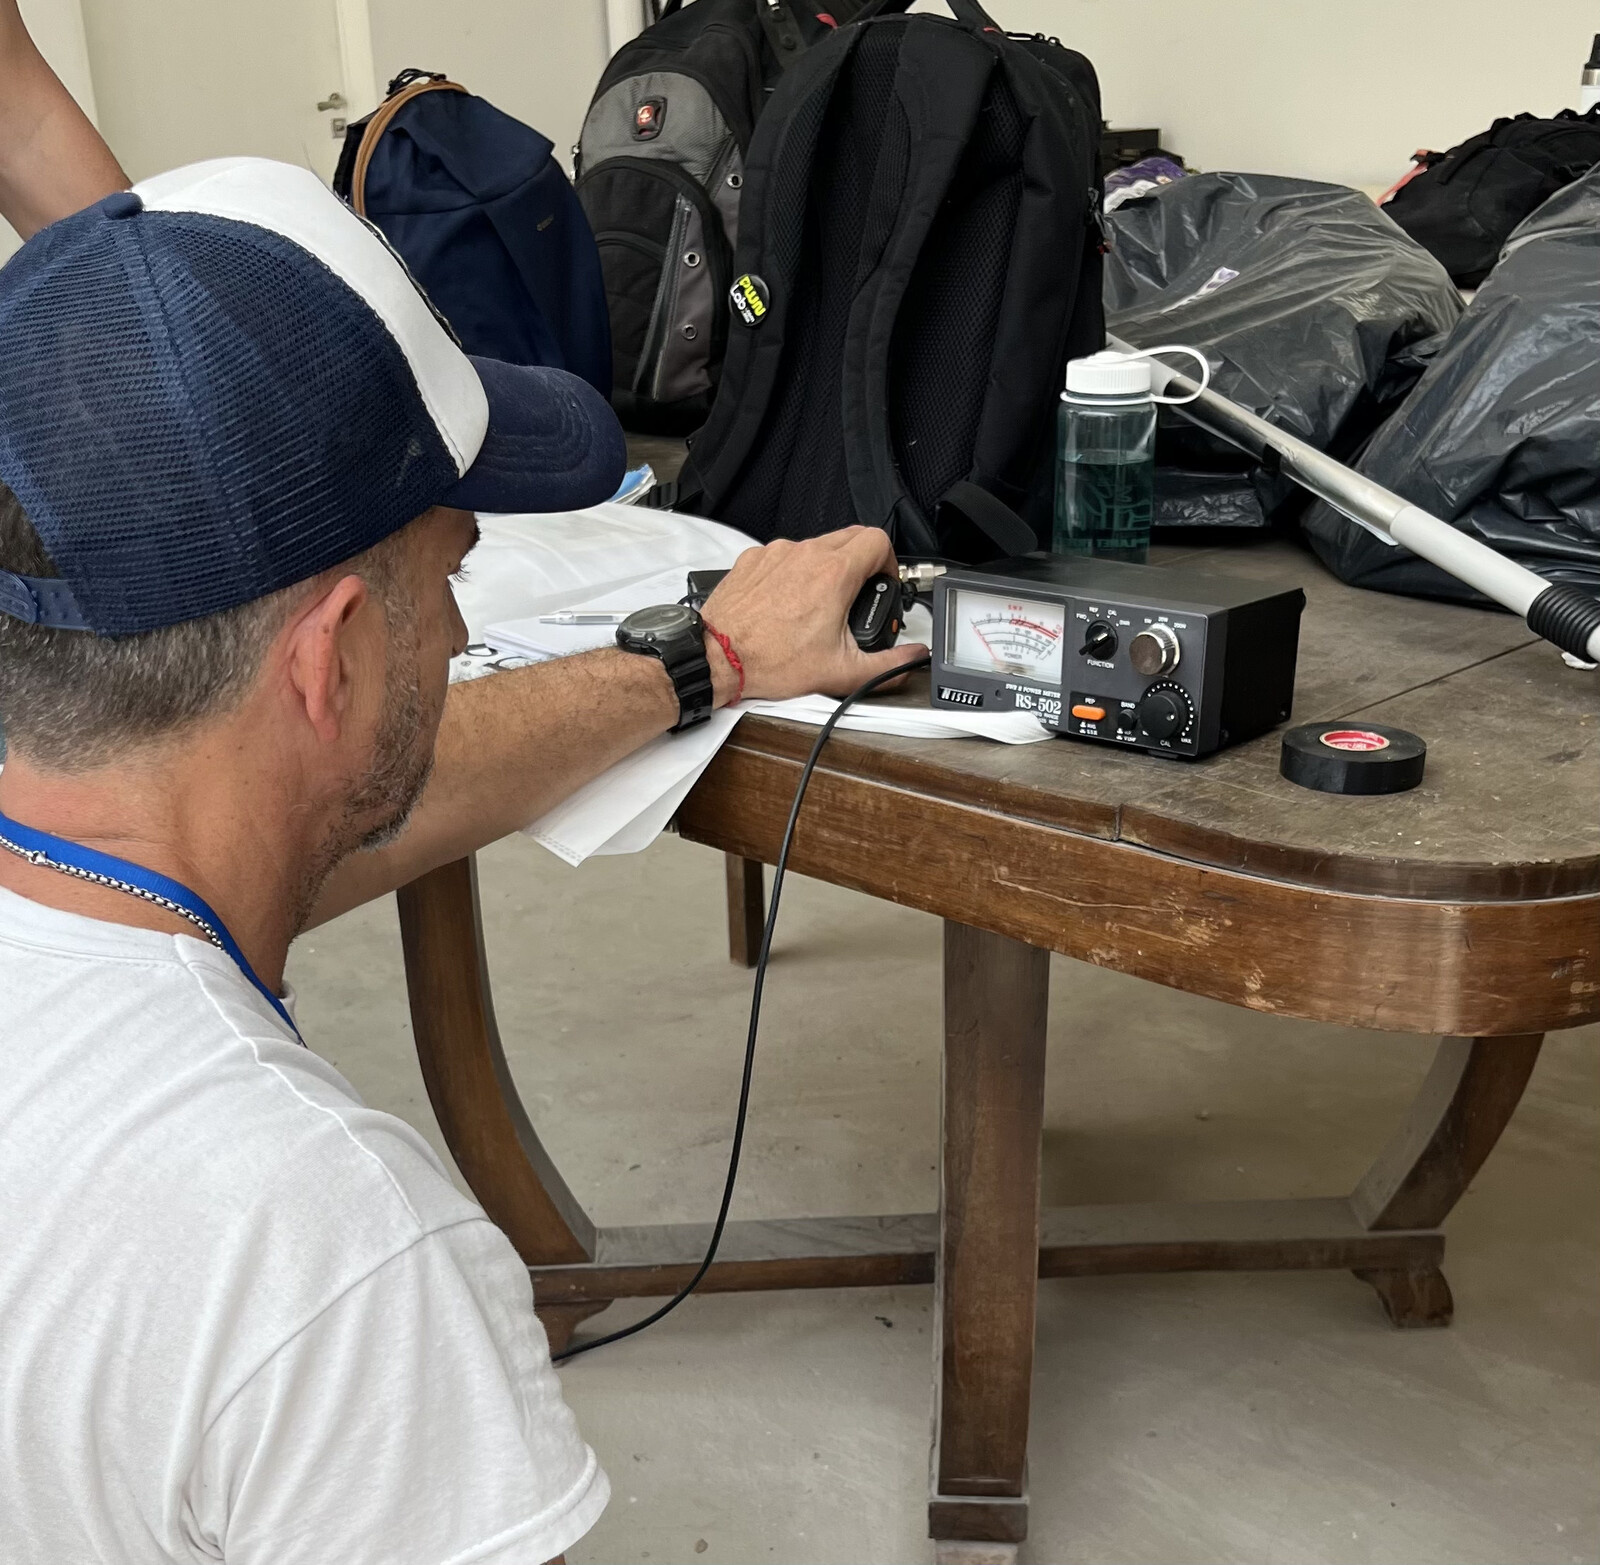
[[663, 620]]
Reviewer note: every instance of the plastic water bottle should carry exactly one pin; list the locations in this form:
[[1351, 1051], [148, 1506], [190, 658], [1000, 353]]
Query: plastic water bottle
[[1105, 459]]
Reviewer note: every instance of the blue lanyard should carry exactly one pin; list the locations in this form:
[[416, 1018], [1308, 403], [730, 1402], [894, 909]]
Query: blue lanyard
[[102, 869]]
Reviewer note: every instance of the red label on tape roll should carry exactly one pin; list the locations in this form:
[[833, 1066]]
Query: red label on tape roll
[[1353, 739]]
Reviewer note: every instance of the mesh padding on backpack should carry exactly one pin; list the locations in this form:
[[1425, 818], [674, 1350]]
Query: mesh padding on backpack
[[945, 331], [795, 486]]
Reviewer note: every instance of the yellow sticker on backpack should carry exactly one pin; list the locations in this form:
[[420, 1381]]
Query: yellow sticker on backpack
[[750, 299]]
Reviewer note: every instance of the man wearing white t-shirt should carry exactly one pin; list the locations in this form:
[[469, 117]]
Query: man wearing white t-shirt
[[242, 1316]]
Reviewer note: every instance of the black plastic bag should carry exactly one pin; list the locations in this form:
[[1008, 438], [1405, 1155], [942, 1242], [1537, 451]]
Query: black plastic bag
[[1310, 304], [1502, 435]]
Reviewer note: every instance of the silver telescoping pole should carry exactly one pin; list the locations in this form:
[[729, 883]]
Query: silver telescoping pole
[[1565, 615]]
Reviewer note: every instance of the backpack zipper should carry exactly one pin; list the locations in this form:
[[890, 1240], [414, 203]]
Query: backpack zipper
[[1094, 218]]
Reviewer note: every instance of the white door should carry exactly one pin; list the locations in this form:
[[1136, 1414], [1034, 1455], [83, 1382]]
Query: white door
[[181, 80]]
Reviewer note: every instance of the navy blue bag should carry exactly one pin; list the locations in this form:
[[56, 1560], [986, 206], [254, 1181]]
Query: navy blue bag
[[486, 220]]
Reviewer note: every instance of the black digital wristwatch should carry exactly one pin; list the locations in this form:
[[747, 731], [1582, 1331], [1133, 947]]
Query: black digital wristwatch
[[676, 635]]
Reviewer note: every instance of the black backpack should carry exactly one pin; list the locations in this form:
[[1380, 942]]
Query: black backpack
[[919, 255], [660, 164], [486, 220], [1462, 204]]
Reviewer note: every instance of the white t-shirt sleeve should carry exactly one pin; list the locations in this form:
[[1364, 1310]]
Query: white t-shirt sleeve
[[416, 1421]]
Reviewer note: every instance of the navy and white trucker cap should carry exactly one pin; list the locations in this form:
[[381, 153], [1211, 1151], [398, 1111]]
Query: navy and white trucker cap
[[223, 381]]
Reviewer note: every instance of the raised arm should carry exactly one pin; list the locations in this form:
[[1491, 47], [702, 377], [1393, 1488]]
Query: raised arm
[[52, 160], [512, 746]]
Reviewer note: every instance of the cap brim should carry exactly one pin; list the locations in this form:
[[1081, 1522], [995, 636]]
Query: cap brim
[[553, 444]]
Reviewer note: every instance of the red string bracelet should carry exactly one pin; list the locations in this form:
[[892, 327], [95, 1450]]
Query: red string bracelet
[[732, 657]]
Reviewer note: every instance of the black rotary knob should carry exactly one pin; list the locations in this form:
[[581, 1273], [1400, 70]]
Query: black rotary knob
[[1163, 711], [1100, 641]]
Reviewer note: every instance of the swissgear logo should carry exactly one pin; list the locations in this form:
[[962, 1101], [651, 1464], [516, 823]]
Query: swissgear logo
[[750, 299], [647, 119]]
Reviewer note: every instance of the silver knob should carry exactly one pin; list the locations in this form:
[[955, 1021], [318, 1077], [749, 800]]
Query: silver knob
[[1155, 650]]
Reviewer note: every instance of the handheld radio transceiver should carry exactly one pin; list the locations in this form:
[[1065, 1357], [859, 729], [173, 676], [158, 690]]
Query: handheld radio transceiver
[[1156, 658]]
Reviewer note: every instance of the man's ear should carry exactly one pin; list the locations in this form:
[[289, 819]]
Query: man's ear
[[317, 655]]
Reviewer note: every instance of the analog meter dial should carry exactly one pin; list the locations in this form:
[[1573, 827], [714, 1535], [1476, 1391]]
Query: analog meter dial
[[990, 634]]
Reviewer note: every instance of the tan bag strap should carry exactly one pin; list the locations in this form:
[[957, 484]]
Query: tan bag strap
[[377, 125]]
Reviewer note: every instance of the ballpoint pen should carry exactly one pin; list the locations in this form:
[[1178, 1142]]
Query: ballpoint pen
[[584, 617]]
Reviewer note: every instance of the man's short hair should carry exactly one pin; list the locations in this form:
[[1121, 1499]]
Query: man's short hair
[[71, 700]]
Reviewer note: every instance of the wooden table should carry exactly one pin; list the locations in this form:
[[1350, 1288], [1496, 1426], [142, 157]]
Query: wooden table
[[1468, 908]]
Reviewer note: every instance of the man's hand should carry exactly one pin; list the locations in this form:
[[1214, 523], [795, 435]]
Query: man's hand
[[784, 610]]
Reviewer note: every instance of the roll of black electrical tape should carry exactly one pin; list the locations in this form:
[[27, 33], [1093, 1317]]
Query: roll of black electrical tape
[[1352, 758]]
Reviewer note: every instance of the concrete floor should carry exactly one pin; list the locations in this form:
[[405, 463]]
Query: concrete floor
[[1255, 1417]]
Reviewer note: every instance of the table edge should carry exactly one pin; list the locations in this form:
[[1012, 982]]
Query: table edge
[[1140, 826]]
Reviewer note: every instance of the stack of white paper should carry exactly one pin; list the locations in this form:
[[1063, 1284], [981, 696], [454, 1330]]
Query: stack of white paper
[[626, 808], [530, 565], [532, 637], [908, 722]]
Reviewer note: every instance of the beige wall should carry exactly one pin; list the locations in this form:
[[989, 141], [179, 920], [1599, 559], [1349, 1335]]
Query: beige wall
[[1330, 89], [537, 59], [1334, 89]]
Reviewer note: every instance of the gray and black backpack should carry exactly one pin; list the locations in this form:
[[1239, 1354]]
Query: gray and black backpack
[[660, 165]]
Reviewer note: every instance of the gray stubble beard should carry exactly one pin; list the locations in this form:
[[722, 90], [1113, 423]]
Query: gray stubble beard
[[393, 783]]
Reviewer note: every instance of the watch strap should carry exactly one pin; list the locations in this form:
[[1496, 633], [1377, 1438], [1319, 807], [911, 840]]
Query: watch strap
[[690, 672]]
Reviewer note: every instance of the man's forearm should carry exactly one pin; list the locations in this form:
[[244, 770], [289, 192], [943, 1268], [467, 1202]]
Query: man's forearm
[[52, 160], [512, 746]]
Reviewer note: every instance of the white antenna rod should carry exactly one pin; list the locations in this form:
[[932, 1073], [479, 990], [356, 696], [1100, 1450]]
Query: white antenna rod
[[1565, 615]]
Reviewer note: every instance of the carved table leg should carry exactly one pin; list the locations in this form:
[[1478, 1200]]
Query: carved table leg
[[995, 1000], [1464, 1104], [747, 908], [470, 1086], [561, 1320]]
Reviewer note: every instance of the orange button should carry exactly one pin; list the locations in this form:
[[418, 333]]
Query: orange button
[[1090, 714]]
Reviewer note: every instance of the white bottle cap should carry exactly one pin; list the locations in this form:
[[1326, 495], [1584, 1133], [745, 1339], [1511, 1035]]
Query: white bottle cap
[[1109, 374]]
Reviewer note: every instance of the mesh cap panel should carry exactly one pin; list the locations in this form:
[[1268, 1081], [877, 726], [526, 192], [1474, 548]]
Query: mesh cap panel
[[195, 412]]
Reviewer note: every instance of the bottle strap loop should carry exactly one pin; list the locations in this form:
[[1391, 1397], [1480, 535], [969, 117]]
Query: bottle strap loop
[[1176, 347]]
